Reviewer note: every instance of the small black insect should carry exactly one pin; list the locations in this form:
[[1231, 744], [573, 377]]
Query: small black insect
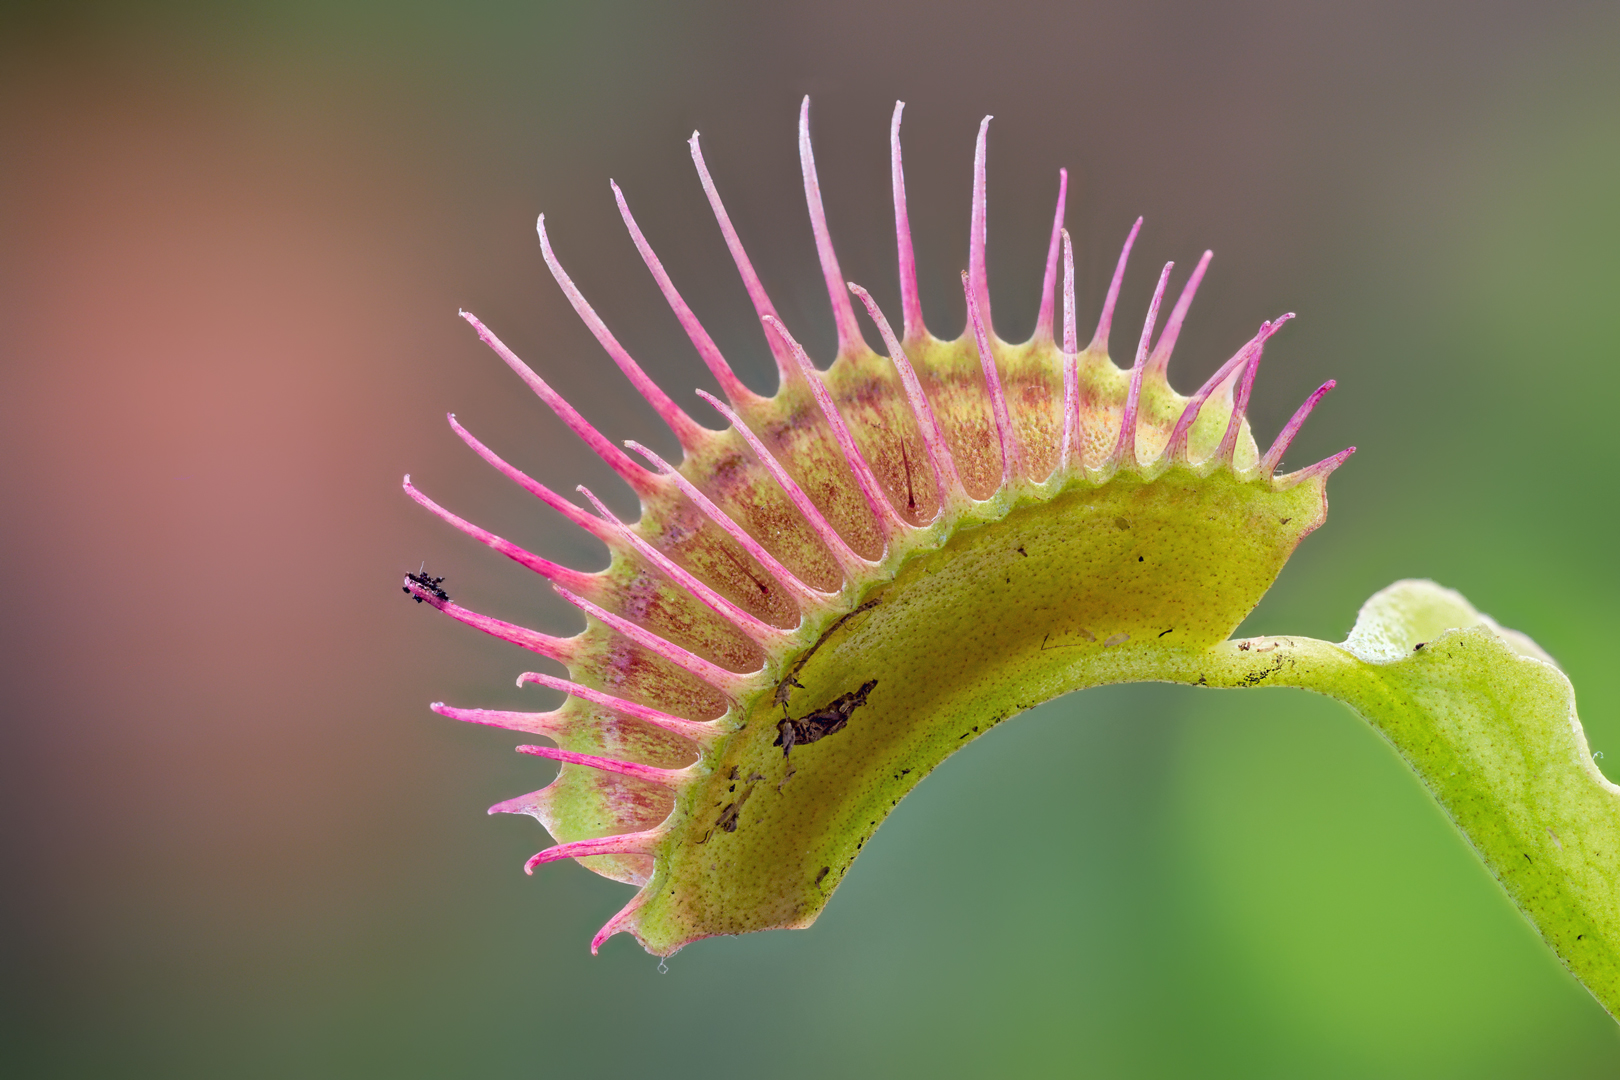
[[822, 722], [426, 583]]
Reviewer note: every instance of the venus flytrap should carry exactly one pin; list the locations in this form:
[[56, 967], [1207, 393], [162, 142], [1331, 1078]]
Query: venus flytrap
[[865, 572]]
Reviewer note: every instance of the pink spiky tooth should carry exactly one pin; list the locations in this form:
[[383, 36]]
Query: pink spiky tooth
[[545, 723], [1043, 318], [1240, 408], [1125, 446], [735, 612], [636, 843], [707, 350], [978, 273], [1285, 437], [594, 526], [530, 804], [1005, 436], [672, 778], [1105, 321], [849, 334], [561, 649], [565, 576], [911, 313], [1071, 363], [685, 428], [638, 478], [745, 268], [1071, 338], [620, 922], [1322, 468], [1160, 360]]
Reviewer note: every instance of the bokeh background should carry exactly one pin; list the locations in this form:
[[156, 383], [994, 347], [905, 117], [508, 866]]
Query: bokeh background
[[233, 241]]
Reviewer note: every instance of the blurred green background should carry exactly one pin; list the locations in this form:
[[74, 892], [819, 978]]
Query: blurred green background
[[233, 241]]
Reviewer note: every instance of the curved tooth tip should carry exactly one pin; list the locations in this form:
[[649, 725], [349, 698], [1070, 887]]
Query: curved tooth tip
[[776, 326], [1105, 319], [1323, 468], [652, 458], [1285, 437], [1327, 466], [1159, 360], [617, 924]]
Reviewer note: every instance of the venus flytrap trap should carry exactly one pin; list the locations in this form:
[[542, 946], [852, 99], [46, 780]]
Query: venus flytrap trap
[[863, 573]]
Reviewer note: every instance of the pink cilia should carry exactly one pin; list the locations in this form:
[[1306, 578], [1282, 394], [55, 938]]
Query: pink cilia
[[838, 586]]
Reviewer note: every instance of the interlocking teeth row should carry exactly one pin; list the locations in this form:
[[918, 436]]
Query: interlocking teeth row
[[637, 693]]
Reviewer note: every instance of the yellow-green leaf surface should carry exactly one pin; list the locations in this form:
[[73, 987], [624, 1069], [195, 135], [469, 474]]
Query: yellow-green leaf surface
[[1488, 722]]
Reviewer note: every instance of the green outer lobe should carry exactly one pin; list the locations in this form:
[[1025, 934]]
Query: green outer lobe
[[1099, 584]]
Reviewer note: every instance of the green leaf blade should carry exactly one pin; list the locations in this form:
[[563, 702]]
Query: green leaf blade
[[1488, 723]]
